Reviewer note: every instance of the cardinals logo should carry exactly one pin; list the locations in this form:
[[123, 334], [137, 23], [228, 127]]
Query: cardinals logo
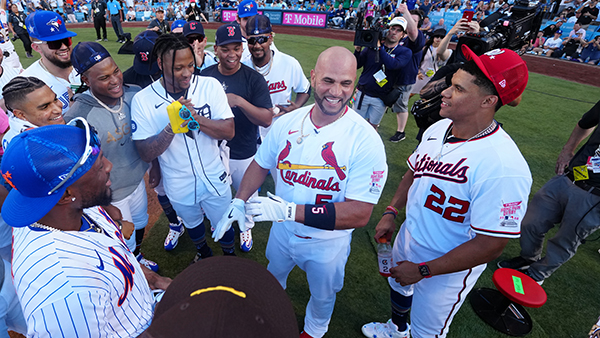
[[54, 24]]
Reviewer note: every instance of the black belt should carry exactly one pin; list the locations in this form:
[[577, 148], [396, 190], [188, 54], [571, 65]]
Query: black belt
[[583, 185], [114, 14]]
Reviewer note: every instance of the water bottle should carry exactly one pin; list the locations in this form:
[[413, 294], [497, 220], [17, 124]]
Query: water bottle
[[384, 256]]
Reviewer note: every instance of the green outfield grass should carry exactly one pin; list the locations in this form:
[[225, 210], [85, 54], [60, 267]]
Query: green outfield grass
[[540, 126]]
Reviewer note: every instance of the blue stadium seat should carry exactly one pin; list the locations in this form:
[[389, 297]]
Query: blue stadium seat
[[79, 16], [139, 16], [450, 19]]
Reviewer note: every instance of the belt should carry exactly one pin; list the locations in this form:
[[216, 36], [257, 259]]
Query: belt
[[589, 188], [114, 14]]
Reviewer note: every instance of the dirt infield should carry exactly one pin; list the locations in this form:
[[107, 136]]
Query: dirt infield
[[567, 70]]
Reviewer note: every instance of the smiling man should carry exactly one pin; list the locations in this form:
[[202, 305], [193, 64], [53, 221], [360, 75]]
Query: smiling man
[[106, 105], [51, 39], [248, 97], [329, 163]]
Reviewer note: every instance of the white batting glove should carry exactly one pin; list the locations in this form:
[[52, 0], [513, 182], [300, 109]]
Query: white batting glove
[[234, 213], [271, 208]]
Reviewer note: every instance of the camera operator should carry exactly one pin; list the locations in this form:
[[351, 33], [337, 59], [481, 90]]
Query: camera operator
[[381, 70]]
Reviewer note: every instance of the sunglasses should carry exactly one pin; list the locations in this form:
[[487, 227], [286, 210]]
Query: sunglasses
[[259, 39], [198, 37], [185, 114], [56, 44], [92, 147]]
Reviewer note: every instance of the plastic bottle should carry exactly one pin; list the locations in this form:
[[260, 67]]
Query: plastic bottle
[[384, 256]]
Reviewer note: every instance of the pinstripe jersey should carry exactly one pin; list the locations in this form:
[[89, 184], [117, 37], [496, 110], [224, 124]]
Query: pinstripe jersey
[[80, 284]]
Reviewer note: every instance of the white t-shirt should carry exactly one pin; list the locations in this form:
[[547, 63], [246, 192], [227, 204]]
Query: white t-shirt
[[304, 176], [553, 43], [58, 85], [476, 187], [579, 33], [80, 283], [191, 168]]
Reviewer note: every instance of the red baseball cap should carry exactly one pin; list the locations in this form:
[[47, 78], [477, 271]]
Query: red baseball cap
[[505, 68]]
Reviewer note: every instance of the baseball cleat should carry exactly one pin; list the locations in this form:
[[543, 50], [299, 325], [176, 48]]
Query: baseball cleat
[[515, 263], [385, 330], [147, 263], [175, 231], [246, 240]]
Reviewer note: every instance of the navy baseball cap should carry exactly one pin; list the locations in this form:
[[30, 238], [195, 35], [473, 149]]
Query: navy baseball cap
[[258, 24], [142, 48], [177, 24], [38, 161], [247, 8], [47, 26], [193, 27], [86, 54], [228, 34]]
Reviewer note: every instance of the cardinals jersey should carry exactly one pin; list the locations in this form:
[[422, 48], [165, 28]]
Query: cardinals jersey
[[475, 187], [342, 160], [59, 86], [80, 283], [191, 167], [283, 74]]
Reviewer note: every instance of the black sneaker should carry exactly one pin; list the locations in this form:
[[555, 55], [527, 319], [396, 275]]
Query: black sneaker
[[515, 263], [398, 136], [528, 273]]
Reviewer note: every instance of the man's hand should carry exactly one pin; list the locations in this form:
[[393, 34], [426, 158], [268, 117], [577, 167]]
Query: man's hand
[[127, 229], [234, 100], [188, 104], [235, 213], [563, 160], [155, 281], [154, 176], [406, 273], [357, 48], [385, 228], [271, 208], [402, 8]]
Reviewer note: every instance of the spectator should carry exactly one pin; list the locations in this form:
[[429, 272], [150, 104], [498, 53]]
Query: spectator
[[574, 18], [426, 26], [549, 30], [439, 25], [589, 13], [572, 43], [534, 44], [350, 19], [194, 13], [170, 13], [338, 16], [591, 51], [16, 24], [130, 15], [370, 9], [426, 7], [551, 45], [159, 25], [430, 63], [70, 13]]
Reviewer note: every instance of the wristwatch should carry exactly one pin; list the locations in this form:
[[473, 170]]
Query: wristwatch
[[424, 270]]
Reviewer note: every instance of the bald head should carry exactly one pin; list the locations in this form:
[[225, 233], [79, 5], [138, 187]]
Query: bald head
[[339, 58], [333, 80]]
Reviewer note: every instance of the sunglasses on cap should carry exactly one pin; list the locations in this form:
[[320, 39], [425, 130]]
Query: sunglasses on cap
[[185, 114], [56, 44], [92, 147], [259, 39], [196, 37]]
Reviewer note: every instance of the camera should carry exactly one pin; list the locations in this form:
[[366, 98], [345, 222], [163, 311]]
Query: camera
[[369, 37]]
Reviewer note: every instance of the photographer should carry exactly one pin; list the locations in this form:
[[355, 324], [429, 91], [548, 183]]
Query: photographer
[[381, 69]]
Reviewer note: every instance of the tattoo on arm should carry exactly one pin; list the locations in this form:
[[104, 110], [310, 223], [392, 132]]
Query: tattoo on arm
[[154, 146]]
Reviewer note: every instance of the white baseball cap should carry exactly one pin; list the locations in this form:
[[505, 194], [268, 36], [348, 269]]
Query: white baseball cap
[[399, 21]]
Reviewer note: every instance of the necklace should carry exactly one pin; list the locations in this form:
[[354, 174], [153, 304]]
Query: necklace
[[447, 136], [119, 111], [302, 135], [56, 77], [261, 70], [93, 226]]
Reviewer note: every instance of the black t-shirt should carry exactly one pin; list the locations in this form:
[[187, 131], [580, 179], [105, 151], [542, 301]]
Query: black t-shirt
[[100, 6], [585, 20], [131, 77], [162, 26], [589, 120], [251, 86], [18, 22]]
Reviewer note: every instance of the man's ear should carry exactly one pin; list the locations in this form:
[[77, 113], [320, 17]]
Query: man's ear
[[68, 197], [490, 101], [19, 114]]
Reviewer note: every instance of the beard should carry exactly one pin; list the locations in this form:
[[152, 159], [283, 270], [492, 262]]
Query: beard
[[58, 63], [100, 199], [319, 101]]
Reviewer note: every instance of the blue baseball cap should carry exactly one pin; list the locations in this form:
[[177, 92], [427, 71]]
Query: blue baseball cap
[[47, 26], [558, 31], [226, 34], [258, 24], [37, 161], [86, 54], [247, 8], [177, 24], [193, 27], [142, 48]]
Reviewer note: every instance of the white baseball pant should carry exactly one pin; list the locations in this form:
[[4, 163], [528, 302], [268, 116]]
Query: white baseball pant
[[134, 209]]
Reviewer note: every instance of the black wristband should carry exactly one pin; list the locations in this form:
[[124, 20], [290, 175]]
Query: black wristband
[[320, 216]]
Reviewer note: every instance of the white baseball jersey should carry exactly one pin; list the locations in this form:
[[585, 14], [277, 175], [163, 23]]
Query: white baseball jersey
[[80, 283], [342, 160], [191, 167], [58, 85], [7, 46], [283, 75]]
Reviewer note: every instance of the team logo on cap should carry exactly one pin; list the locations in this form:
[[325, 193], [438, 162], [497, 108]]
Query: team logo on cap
[[248, 6], [144, 56], [97, 57], [54, 24], [8, 178], [492, 54], [256, 32]]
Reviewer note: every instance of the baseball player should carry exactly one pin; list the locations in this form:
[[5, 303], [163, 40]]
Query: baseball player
[[193, 174], [465, 194], [80, 279], [248, 97], [6, 45], [194, 33], [282, 72], [106, 105], [245, 10], [329, 169], [52, 40]]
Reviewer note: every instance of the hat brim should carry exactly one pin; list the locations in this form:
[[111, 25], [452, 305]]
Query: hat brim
[[470, 55], [226, 42], [247, 14], [19, 211], [64, 35], [143, 69]]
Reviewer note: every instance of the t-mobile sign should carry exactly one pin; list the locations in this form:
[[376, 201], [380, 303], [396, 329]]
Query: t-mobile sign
[[306, 19], [228, 15]]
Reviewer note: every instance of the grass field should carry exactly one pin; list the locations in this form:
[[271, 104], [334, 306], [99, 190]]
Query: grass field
[[540, 126]]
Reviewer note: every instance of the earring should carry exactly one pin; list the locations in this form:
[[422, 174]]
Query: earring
[[73, 199]]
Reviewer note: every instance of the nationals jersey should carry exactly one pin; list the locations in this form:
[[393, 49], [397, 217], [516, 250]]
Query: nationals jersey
[[80, 283], [283, 74], [59, 86], [191, 167], [342, 160], [480, 186]]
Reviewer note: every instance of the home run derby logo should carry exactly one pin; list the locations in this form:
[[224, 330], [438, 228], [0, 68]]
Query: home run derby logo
[[126, 268], [453, 172], [54, 24], [289, 171]]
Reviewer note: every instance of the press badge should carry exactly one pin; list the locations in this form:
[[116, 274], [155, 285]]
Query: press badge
[[380, 78], [596, 164], [580, 173]]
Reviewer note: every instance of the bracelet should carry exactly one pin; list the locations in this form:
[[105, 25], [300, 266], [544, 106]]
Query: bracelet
[[392, 209], [168, 132], [389, 213]]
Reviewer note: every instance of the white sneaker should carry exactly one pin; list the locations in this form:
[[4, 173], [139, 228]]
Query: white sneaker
[[246, 240], [175, 231], [384, 330]]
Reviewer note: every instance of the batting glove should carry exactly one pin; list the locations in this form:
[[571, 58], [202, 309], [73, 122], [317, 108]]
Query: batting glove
[[271, 208], [234, 213]]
